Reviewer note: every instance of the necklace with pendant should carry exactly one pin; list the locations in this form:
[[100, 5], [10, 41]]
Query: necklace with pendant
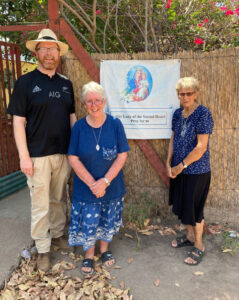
[[184, 126], [185, 117], [97, 147]]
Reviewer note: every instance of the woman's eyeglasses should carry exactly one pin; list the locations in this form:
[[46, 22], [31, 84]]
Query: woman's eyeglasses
[[96, 102], [189, 94]]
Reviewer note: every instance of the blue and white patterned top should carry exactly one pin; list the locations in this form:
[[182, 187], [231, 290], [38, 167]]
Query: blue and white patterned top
[[83, 144], [185, 138]]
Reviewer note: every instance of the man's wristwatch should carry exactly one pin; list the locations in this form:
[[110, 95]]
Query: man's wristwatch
[[106, 181], [184, 165]]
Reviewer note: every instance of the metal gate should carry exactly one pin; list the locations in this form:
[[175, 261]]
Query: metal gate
[[11, 179]]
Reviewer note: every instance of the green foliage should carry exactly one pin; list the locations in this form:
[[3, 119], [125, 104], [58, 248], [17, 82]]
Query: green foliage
[[138, 213], [230, 243], [175, 26], [22, 12], [164, 26]]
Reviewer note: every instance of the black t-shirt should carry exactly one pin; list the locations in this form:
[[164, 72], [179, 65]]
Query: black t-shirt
[[46, 103]]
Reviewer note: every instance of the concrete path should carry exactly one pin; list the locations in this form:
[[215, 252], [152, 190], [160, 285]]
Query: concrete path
[[14, 230], [155, 259]]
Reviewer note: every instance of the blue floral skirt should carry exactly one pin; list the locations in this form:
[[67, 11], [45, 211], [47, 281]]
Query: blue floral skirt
[[94, 221]]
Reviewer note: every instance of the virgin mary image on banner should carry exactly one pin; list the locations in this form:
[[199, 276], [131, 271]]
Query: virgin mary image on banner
[[139, 84], [141, 93]]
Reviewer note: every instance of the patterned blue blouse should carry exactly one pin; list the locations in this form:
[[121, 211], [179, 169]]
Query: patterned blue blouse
[[185, 138]]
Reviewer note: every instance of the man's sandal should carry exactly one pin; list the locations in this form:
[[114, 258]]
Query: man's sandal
[[195, 254], [88, 263], [183, 242], [106, 256]]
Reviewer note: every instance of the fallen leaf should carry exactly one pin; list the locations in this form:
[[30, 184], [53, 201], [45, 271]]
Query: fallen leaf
[[96, 258], [227, 250], [77, 259], [128, 235], [63, 265], [167, 231], [72, 255], [55, 248], [50, 281], [7, 295], [23, 287], [214, 229], [156, 227], [198, 273], [146, 222], [62, 296], [130, 260], [156, 282], [116, 267], [118, 292], [178, 227], [146, 232], [98, 269], [122, 285], [131, 226]]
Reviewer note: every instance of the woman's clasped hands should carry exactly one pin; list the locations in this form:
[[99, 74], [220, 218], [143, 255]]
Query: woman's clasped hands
[[98, 188], [173, 172]]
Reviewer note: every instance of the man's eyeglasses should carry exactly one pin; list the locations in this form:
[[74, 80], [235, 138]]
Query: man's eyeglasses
[[96, 102], [45, 49], [189, 94]]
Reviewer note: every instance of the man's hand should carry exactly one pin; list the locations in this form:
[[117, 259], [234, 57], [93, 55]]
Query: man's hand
[[26, 165]]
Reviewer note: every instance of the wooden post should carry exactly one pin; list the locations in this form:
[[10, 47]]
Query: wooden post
[[53, 15], [54, 21]]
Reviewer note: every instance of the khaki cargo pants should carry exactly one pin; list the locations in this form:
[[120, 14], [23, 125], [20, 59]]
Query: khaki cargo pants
[[48, 211]]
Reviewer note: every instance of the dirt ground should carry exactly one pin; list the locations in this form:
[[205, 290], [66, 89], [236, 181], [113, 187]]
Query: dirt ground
[[141, 263], [155, 259]]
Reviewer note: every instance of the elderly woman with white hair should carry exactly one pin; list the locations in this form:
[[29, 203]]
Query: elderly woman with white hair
[[188, 166], [97, 154]]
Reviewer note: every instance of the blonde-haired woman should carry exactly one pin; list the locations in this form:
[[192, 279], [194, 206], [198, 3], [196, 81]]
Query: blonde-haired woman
[[188, 166]]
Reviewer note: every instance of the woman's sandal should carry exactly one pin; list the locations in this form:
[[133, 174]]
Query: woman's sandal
[[88, 263], [195, 254], [183, 242], [106, 256]]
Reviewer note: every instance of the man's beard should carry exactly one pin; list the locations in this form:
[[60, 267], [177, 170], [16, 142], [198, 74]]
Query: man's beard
[[49, 65]]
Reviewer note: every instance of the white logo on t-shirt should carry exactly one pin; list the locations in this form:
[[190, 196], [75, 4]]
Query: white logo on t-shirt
[[36, 89], [54, 94], [65, 89]]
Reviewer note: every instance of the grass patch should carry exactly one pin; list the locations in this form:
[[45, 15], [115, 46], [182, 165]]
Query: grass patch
[[229, 244], [138, 213]]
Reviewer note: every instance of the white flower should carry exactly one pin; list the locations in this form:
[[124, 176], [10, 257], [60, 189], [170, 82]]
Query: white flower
[[88, 216], [96, 215]]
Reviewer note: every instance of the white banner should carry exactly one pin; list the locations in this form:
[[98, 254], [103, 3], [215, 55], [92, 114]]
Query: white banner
[[142, 95]]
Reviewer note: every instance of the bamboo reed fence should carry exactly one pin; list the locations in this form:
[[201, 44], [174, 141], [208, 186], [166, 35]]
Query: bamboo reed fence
[[218, 74]]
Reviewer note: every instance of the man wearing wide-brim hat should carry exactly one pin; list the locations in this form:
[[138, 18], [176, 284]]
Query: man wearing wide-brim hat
[[42, 105]]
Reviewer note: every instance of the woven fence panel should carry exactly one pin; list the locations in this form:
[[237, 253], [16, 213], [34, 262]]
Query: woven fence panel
[[218, 74]]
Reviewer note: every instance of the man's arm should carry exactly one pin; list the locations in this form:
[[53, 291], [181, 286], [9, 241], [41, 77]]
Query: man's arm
[[26, 164], [73, 119]]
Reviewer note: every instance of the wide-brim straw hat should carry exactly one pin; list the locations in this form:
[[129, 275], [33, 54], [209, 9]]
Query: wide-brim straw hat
[[47, 35]]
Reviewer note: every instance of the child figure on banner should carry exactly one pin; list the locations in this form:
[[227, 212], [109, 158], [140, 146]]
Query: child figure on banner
[[143, 88]]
